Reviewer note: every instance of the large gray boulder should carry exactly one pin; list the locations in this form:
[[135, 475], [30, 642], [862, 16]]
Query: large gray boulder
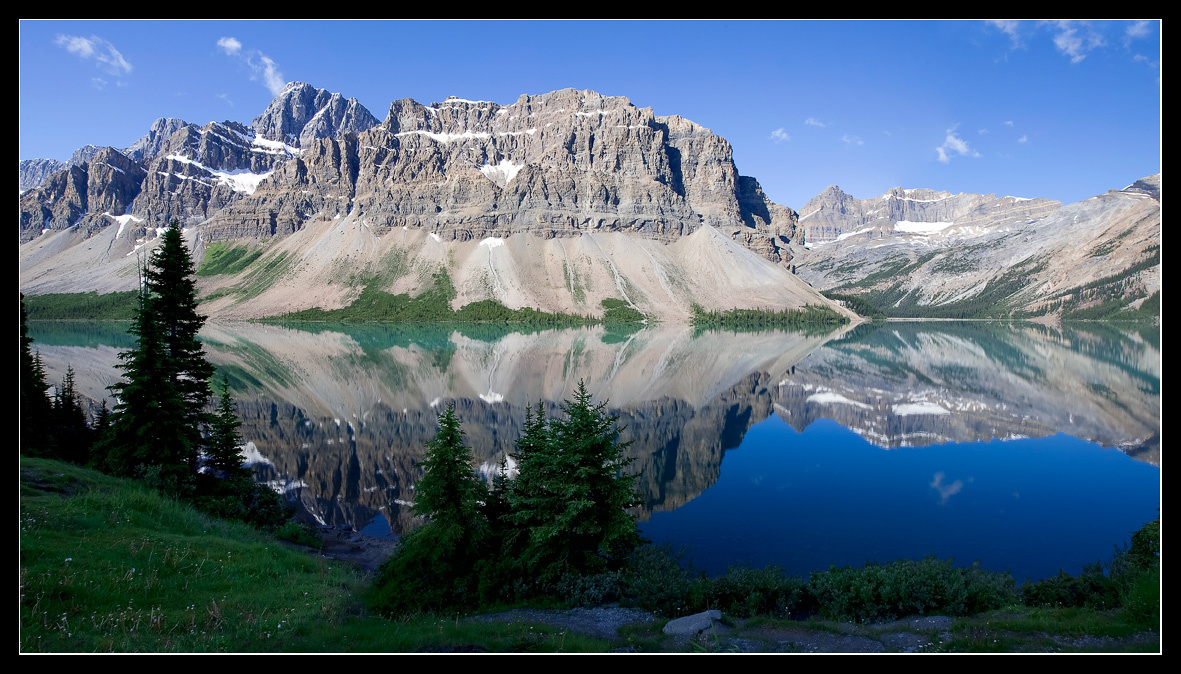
[[692, 625]]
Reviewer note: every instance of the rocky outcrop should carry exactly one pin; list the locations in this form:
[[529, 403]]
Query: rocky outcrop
[[34, 172], [301, 113], [834, 214], [81, 195], [203, 170], [554, 165], [155, 140], [83, 155], [934, 254]]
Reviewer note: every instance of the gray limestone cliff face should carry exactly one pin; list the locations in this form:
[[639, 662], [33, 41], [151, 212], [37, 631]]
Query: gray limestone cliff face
[[202, 170], [82, 194], [301, 113], [34, 172], [156, 140], [833, 212], [83, 155], [556, 164]]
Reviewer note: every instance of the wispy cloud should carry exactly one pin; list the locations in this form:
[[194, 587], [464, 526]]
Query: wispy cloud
[[953, 145], [981, 131], [226, 98], [778, 135], [1138, 30], [230, 45], [1010, 28], [849, 139], [812, 121], [1023, 138], [104, 53], [261, 66], [1009, 122], [1075, 39]]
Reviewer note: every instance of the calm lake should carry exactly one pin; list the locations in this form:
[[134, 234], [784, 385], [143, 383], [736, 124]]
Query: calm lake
[[1026, 448]]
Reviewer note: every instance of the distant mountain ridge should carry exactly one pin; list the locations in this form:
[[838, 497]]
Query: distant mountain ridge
[[558, 201], [922, 253], [545, 172]]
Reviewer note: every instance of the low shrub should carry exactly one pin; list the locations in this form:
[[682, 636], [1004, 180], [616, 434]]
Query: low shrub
[[876, 592]]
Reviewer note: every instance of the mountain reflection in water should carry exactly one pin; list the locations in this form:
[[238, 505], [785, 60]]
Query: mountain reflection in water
[[995, 431]]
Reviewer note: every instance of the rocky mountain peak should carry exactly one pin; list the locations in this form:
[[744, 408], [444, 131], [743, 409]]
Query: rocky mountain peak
[[155, 140], [33, 172], [83, 155], [302, 113]]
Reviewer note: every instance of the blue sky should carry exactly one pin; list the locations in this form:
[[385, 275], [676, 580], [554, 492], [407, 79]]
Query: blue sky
[[1064, 110]]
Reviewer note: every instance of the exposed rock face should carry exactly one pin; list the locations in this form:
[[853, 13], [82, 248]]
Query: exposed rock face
[[156, 139], [83, 155], [558, 164], [919, 251], [204, 169], [81, 195], [34, 172], [302, 113], [833, 213]]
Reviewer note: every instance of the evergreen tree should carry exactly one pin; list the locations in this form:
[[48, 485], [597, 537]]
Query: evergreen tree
[[156, 426], [35, 406], [571, 497], [531, 501], [436, 565], [449, 493], [168, 281], [222, 452], [69, 429], [149, 436]]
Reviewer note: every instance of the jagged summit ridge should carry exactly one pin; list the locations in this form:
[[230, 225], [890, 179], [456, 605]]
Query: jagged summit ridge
[[562, 186], [554, 164], [302, 113], [834, 215]]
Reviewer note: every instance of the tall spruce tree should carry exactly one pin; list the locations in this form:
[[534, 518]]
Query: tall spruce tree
[[449, 493], [156, 426], [168, 281], [149, 437], [571, 498], [435, 566]]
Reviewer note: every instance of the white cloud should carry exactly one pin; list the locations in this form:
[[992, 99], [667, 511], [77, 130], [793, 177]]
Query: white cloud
[[953, 145], [981, 131], [1009, 123], [262, 67], [98, 83], [1138, 30], [812, 121], [104, 53], [226, 98], [231, 45], [1023, 138], [849, 139], [1008, 27], [1076, 39], [778, 135]]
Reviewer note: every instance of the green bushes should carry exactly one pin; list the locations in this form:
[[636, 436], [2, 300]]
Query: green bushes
[[222, 259], [760, 319], [1130, 580], [119, 306], [886, 592], [617, 311]]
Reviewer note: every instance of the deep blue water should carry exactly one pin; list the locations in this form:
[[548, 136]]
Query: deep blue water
[[804, 501]]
